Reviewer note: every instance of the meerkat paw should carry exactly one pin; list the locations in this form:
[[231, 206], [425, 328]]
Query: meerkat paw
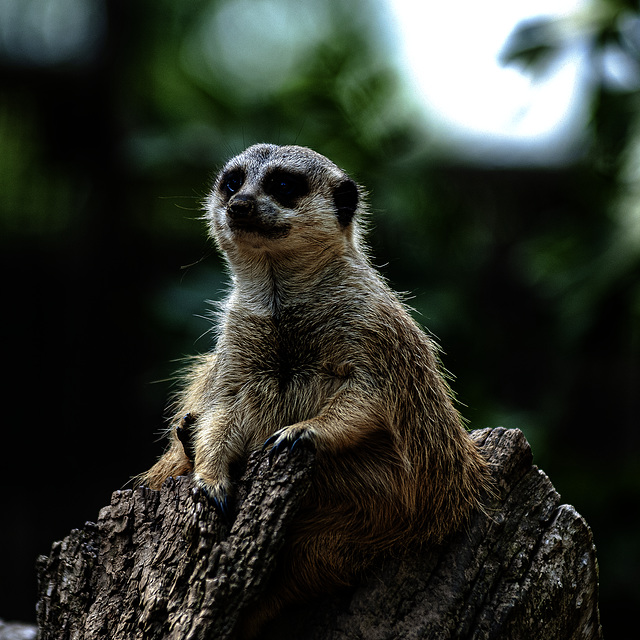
[[184, 432], [218, 493], [289, 438]]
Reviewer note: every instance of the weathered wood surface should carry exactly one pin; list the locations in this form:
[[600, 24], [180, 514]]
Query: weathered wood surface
[[164, 565]]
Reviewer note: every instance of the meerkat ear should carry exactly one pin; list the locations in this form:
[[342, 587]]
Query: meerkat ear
[[345, 199]]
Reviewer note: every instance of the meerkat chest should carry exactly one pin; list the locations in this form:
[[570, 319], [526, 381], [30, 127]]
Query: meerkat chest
[[285, 370]]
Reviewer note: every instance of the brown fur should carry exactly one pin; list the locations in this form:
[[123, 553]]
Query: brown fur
[[313, 344]]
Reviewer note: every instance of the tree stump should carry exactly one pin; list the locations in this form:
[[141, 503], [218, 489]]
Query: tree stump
[[163, 564]]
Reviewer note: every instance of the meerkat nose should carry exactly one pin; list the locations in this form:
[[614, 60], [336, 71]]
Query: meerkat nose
[[241, 207]]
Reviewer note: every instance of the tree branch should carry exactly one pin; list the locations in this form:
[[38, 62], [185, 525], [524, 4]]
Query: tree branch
[[164, 565]]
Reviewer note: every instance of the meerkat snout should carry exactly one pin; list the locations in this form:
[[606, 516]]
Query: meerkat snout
[[241, 207]]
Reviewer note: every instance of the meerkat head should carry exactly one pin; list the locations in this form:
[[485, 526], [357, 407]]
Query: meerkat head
[[283, 200]]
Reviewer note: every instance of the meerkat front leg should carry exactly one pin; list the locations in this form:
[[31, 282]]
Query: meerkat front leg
[[348, 418], [218, 443]]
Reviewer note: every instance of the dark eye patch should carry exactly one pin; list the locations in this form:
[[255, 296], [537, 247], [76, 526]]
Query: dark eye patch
[[232, 182], [285, 187]]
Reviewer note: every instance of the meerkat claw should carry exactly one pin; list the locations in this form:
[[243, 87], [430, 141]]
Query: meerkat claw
[[269, 441], [275, 445], [298, 442], [224, 508], [218, 495], [275, 449], [284, 439]]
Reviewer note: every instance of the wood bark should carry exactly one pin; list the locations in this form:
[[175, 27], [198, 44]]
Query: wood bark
[[163, 564]]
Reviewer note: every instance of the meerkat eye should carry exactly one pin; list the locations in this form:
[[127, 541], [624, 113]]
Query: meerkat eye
[[232, 182], [286, 187]]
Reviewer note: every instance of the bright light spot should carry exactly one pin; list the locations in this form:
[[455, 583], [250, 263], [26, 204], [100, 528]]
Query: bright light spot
[[450, 51]]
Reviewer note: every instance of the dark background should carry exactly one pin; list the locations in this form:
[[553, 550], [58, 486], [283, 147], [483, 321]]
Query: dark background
[[111, 126]]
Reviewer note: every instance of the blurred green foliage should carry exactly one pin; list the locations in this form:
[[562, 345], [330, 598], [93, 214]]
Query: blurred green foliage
[[529, 277]]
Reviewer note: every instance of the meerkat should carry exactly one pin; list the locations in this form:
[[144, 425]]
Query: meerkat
[[313, 346]]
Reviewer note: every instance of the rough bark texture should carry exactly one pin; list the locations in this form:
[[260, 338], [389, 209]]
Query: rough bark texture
[[164, 565]]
